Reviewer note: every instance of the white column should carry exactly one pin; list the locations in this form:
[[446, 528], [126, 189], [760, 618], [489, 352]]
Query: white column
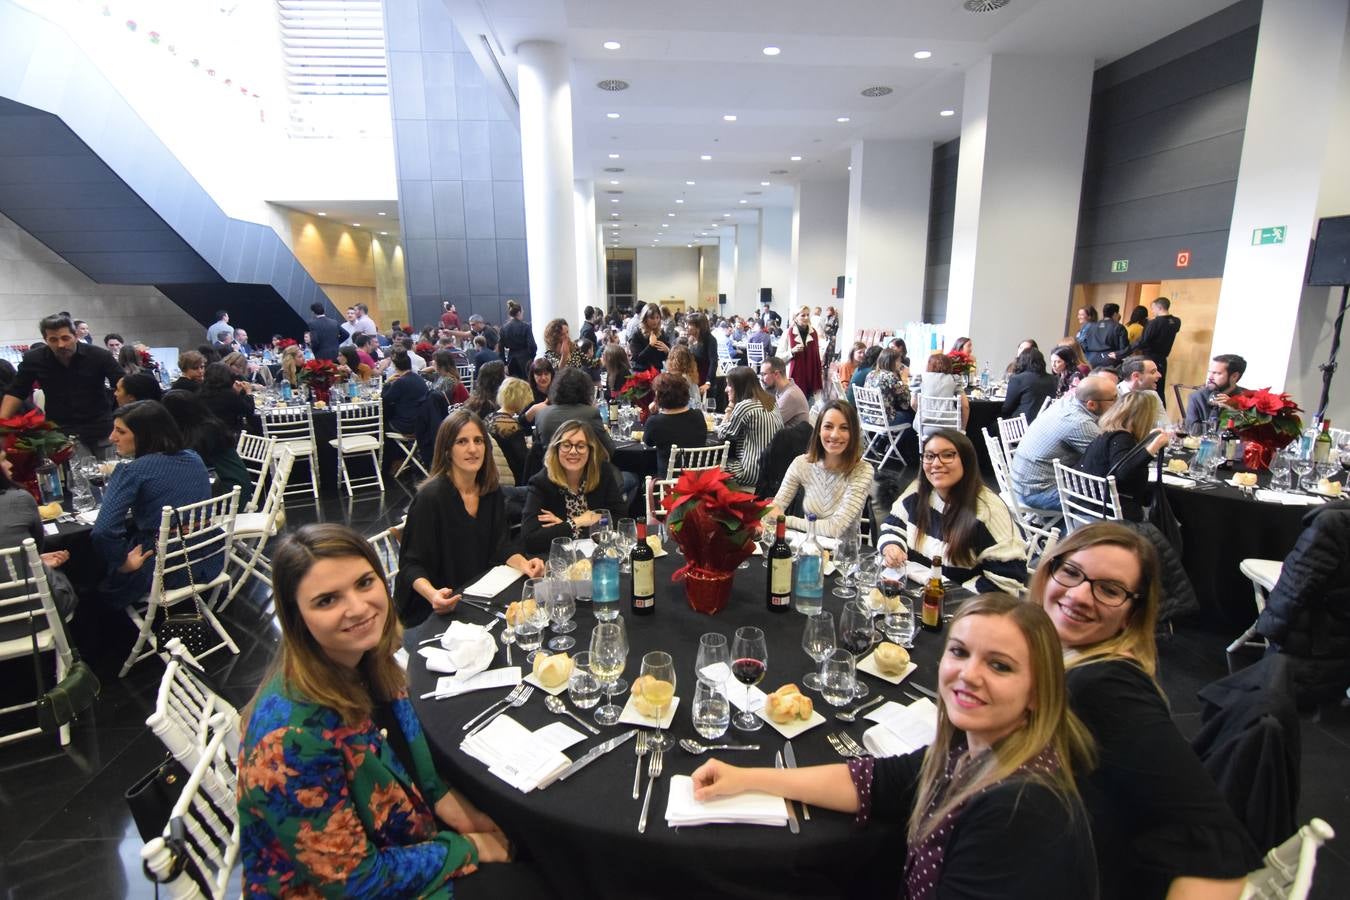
[[726, 264], [546, 162], [1289, 160], [748, 279], [887, 250], [588, 249], [819, 229], [1023, 134], [775, 251]]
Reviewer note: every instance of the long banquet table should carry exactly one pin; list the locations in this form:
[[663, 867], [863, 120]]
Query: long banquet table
[[583, 832]]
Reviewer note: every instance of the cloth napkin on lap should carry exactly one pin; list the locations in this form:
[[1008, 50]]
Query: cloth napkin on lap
[[749, 808]]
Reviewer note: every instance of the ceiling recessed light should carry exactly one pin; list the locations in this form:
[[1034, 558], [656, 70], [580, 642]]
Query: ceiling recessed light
[[679, 199], [728, 118], [795, 158], [613, 199], [384, 233], [772, 51], [947, 113], [321, 214], [614, 181], [689, 245], [670, 214], [356, 224], [726, 215], [613, 214], [716, 225], [705, 157], [763, 184], [665, 224], [611, 115], [744, 201], [850, 168], [923, 54], [612, 45], [690, 183], [614, 156], [841, 119], [379, 214]]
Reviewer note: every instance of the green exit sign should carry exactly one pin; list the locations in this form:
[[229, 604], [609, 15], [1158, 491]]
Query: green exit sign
[[1272, 235], [1120, 265]]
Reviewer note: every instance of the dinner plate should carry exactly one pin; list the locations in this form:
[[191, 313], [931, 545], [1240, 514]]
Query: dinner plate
[[555, 691], [791, 729], [869, 665], [630, 715]]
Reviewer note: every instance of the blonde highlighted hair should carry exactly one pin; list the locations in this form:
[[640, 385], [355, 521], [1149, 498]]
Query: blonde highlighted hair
[[1135, 412], [595, 458]]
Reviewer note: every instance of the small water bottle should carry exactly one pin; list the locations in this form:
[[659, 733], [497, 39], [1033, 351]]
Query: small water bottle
[[353, 389], [309, 355], [286, 393], [164, 380], [984, 379], [605, 564], [49, 482], [810, 573]]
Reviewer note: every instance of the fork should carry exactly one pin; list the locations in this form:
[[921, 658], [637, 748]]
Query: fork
[[640, 748], [851, 745], [841, 746], [507, 700], [518, 702], [653, 772]]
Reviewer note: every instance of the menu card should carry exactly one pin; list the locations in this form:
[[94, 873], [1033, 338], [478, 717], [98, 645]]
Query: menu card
[[901, 729], [522, 758]]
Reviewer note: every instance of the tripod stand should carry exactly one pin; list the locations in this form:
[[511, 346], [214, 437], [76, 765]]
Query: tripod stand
[[1329, 367]]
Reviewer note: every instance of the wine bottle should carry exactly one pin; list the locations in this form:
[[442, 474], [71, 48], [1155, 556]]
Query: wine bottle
[[1232, 443], [1321, 449], [933, 596], [643, 596], [778, 591]]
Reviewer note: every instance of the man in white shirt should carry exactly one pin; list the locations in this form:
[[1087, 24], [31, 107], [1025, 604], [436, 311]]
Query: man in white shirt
[[220, 332], [1139, 373], [364, 324], [788, 398]]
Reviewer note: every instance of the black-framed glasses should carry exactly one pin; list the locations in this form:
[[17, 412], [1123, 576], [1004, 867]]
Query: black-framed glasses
[[569, 447], [1104, 591], [946, 457]]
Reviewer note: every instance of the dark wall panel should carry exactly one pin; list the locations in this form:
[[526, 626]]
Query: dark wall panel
[[941, 215]]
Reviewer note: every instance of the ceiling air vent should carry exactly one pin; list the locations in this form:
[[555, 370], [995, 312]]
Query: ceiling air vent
[[984, 6], [614, 84], [613, 192], [614, 168], [877, 90], [778, 171]]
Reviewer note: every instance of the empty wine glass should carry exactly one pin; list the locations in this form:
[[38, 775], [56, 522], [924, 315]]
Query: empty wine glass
[[659, 691], [561, 606], [750, 663], [817, 641], [856, 634], [1302, 467], [845, 557], [560, 557], [712, 652], [609, 655], [767, 535], [627, 532]]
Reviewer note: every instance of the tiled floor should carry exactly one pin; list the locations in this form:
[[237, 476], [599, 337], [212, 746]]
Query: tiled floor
[[66, 832]]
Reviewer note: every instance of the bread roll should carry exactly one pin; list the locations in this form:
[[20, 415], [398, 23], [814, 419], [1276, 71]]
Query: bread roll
[[521, 610], [651, 696], [553, 670], [788, 704], [579, 570], [1246, 479], [890, 659], [1327, 486]]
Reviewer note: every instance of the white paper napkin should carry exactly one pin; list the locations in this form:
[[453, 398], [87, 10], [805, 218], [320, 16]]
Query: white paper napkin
[[451, 686], [467, 649], [901, 729], [518, 756], [795, 538], [498, 579], [1177, 480], [401, 657], [749, 808], [1287, 499]]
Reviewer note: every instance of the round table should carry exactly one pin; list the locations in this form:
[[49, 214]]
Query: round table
[[583, 831]]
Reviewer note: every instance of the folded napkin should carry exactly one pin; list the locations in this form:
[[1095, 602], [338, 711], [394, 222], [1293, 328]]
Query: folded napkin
[[522, 758], [498, 579], [584, 546], [1287, 499], [466, 649], [1177, 480], [749, 808], [453, 686], [795, 538], [401, 657], [901, 729]]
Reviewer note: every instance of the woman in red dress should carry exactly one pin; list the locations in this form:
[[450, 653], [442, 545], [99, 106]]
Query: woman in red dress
[[803, 343]]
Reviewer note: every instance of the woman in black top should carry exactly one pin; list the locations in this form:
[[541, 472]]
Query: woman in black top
[[212, 440], [1029, 386], [516, 342], [228, 399], [577, 479], [991, 807], [457, 526], [615, 363], [648, 347], [1160, 826], [677, 424], [703, 345], [1126, 448], [482, 400]]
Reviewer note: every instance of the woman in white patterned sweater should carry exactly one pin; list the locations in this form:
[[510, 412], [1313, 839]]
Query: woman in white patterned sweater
[[948, 511], [832, 472]]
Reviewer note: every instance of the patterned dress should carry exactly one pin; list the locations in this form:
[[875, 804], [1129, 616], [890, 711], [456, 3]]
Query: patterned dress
[[326, 810]]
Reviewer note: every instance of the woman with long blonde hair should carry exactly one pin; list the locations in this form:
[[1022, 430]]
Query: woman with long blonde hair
[[338, 794], [1126, 448], [991, 807], [291, 361], [802, 346]]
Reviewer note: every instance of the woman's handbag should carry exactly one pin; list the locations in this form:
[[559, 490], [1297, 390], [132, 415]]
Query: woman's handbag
[[152, 797], [188, 625], [68, 698]]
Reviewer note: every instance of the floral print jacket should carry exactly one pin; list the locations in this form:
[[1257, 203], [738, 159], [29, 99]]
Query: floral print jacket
[[329, 811]]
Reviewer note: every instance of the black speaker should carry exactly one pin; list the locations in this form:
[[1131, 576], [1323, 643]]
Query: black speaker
[[1330, 261], [722, 299], [839, 288], [766, 295]]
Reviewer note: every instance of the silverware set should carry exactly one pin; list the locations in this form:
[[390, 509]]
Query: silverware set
[[519, 694], [845, 746], [654, 766]]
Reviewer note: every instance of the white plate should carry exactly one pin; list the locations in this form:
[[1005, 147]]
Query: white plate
[[795, 727], [869, 665], [1340, 496], [1233, 482], [631, 716], [555, 691]]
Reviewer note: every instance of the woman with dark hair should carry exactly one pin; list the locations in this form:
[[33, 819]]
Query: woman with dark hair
[[891, 378], [676, 423], [482, 400], [403, 395], [447, 378], [330, 736], [898, 343], [212, 441], [937, 380], [750, 424], [1138, 319], [457, 527], [516, 341], [614, 361], [573, 395], [541, 379], [1065, 370], [1029, 386], [702, 345], [141, 386], [161, 472], [1086, 316], [559, 347], [859, 377], [228, 399], [832, 473], [850, 365], [949, 512], [648, 347], [129, 358], [577, 479], [20, 520]]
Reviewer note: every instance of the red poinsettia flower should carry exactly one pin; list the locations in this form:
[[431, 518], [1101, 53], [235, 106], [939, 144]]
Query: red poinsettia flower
[[713, 524], [638, 385], [424, 349], [284, 343], [961, 362]]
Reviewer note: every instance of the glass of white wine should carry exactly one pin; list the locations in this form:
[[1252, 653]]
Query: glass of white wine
[[609, 655], [659, 691]]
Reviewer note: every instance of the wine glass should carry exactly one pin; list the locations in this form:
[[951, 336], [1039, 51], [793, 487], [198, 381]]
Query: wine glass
[[627, 540], [710, 711], [845, 557], [560, 557], [609, 654], [767, 535], [838, 677], [898, 624], [561, 606], [817, 641], [1279, 472], [856, 634], [1301, 466], [659, 691], [750, 663], [583, 687], [712, 651]]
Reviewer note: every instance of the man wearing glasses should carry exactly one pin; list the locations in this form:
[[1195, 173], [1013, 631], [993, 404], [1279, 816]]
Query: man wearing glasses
[[1062, 432]]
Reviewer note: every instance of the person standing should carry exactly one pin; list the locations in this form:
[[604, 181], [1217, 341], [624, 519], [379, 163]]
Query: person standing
[[324, 334], [82, 332], [767, 317], [1105, 336], [364, 324], [450, 316], [788, 398], [77, 380], [802, 342], [1138, 316], [1156, 341], [517, 342], [1221, 386], [220, 332]]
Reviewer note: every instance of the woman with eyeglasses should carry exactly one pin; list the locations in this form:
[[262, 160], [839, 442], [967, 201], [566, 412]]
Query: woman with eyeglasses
[[1160, 826], [457, 527], [576, 481], [949, 512]]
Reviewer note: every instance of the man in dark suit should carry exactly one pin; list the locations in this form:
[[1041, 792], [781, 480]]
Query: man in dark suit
[[767, 317], [324, 333], [1155, 343]]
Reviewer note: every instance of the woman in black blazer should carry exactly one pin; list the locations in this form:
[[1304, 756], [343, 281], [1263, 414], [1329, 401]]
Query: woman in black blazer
[[1029, 386], [577, 479]]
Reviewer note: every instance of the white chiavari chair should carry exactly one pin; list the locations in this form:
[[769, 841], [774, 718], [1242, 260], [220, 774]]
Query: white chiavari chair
[[257, 453], [881, 436], [682, 459], [293, 428], [1085, 498], [935, 413], [185, 707], [28, 608], [360, 433], [1287, 870], [252, 531]]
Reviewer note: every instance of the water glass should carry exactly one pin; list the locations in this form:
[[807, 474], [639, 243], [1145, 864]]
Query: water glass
[[627, 541], [710, 711], [899, 625], [818, 642], [838, 677], [560, 557], [583, 687], [530, 637], [767, 535], [713, 651]]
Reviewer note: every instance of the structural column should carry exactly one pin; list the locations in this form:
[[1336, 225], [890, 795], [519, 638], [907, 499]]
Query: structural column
[[1023, 137], [819, 229], [887, 248], [589, 286], [748, 279], [775, 251], [546, 162], [726, 265]]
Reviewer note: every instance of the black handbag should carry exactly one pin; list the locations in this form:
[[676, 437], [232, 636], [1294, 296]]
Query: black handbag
[[152, 797], [188, 625], [73, 694]]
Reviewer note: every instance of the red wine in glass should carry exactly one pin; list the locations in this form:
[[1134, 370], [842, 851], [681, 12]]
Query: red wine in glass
[[749, 671], [857, 640]]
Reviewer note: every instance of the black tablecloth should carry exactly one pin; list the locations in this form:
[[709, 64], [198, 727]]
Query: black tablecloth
[[583, 831]]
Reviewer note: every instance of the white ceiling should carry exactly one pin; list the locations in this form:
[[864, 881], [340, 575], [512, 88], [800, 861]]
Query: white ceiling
[[691, 62]]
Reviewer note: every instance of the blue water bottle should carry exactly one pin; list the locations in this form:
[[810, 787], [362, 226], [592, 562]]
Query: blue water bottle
[[286, 393], [605, 574], [810, 574]]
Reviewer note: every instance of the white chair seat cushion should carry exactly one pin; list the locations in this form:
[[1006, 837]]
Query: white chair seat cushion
[[250, 525], [23, 646], [1264, 572], [297, 448], [356, 443]]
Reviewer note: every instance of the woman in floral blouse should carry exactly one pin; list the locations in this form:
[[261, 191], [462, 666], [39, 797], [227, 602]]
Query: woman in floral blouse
[[559, 348], [338, 796], [891, 377]]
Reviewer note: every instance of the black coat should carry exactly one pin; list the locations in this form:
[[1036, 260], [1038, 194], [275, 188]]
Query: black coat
[[325, 335], [786, 445], [518, 346], [1026, 392], [545, 495]]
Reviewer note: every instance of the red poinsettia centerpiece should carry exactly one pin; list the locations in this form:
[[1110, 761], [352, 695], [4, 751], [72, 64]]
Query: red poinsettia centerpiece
[[424, 349], [319, 375], [284, 343], [715, 526], [638, 385], [1267, 422], [962, 363], [27, 440]]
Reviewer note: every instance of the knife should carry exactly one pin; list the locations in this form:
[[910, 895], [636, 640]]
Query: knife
[[932, 695], [792, 813], [790, 758], [591, 756]]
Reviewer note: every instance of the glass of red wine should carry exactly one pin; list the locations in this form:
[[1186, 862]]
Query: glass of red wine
[[749, 663], [856, 635]]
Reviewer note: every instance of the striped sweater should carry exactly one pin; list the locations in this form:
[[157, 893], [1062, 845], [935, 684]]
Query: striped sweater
[[836, 498], [749, 428], [1000, 562]]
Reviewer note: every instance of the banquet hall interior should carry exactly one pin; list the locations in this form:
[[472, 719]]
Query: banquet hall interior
[[327, 234]]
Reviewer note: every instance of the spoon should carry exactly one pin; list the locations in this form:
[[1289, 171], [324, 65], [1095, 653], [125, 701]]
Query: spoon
[[850, 715], [694, 747], [556, 705]]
